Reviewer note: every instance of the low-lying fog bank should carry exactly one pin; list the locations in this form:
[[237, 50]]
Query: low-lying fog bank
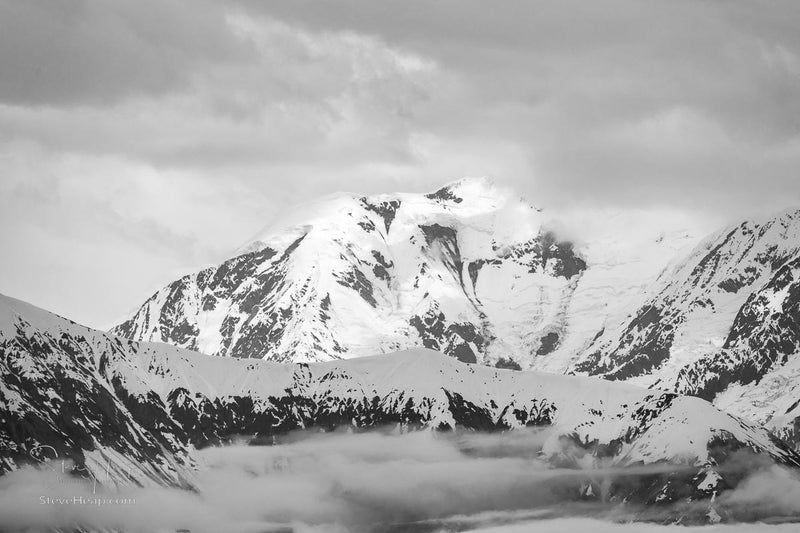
[[379, 481]]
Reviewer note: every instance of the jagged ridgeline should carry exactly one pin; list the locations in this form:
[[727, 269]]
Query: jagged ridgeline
[[468, 270], [473, 271], [137, 410], [724, 325]]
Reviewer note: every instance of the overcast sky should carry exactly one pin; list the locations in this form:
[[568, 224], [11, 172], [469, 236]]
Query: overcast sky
[[142, 139]]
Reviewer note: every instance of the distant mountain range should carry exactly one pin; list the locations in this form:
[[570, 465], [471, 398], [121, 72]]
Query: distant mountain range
[[475, 272], [284, 336]]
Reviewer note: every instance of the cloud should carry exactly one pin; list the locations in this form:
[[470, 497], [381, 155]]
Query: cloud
[[98, 53], [101, 223], [570, 525], [235, 111], [371, 482], [772, 491], [618, 102]]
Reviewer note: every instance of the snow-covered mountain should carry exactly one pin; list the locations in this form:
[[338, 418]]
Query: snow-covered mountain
[[475, 272], [724, 324], [470, 270], [143, 407], [57, 402]]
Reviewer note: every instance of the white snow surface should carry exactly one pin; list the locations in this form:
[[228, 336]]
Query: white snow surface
[[700, 296], [512, 305], [694, 289], [309, 314], [590, 408]]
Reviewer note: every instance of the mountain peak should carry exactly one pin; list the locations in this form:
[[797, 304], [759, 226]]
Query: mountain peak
[[465, 188], [464, 198], [349, 275]]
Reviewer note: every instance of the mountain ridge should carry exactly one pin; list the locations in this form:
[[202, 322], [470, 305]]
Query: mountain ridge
[[469, 269], [169, 400], [722, 322], [409, 264], [475, 272]]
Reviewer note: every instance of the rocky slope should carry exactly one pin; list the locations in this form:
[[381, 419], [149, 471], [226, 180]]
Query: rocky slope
[[470, 270], [56, 402], [476, 273], [96, 398], [723, 325]]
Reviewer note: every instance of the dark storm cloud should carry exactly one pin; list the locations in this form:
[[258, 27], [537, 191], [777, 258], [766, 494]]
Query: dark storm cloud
[[90, 52], [621, 99], [717, 55], [566, 82], [206, 86]]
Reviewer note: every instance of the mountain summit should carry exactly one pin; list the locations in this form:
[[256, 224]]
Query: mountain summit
[[469, 270], [477, 273]]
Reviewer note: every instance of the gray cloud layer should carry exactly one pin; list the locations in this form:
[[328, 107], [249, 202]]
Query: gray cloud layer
[[167, 133], [382, 482], [98, 53]]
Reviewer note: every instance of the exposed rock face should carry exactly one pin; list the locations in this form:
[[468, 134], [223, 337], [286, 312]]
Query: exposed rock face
[[147, 404], [764, 336], [473, 272], [359, 275], [56, 402], [723, 325]]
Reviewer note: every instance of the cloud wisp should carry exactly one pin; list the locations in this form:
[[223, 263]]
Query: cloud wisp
[[374, 482], [234, 111]]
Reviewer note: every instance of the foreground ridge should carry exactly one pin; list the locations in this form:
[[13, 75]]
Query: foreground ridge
[[149, 405], [724, 325]]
